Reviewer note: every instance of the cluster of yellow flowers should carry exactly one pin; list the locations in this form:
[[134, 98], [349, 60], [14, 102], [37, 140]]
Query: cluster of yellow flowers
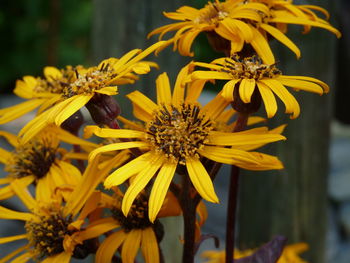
[[164, 163]]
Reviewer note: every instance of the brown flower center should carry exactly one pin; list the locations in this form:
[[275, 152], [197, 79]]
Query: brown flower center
[[179, 132], [47, 234]]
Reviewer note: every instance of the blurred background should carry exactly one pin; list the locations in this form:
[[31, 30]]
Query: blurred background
[[309, 201]]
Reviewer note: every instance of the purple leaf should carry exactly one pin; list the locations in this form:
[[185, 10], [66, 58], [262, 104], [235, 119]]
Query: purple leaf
[[268, 253]]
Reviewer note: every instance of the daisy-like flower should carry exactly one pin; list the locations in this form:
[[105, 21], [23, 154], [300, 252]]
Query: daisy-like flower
[[50, 228], [135, 231], [87, 83], [40, 161], [232, 23], [178, 132], [290, 254], [249, 78]]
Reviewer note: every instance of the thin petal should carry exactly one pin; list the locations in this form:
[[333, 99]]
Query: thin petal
[[131, 246], [126, 171], [302, 85], [14, 112], [4, 240], [163, 89], [140, 182], [201, 180], [109, 247], [112, 133], [149, 246], [246, 89], [160, 189], [262, 47], [10, 214], [268, 99], [227, 90], [146, 105]]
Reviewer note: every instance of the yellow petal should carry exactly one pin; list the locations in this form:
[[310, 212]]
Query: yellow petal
[[209, 75], [179, 89], [302, 85], [201, 180], [143, 102], [310, 79], [4, 240], [228, 89], [268, 99], [11, 138], [19, 187], [149, 246], [109, 247], [126, 171], [131, 246], [52, 73], [281, 37], [261, 46], [75, 104], [23, 258], [160, 189], [108, 91], [140, 182], [10, 214], [12, 254], [63, 257], [112, 133], [163, 89], [215, 107], [246, 89], [14, 112], [117, 146], [98, 229]]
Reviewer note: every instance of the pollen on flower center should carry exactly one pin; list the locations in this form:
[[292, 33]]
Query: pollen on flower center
[[179, 132], [90, 81], [249, 67], [212, 13], [33, 158], [46, 235], [137, 217]]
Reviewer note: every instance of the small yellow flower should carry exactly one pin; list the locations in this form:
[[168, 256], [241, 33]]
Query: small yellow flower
[[52, 231], [250, 76], [40, 161], [241, 22], [179, 132], [290, 254], [58, 104]]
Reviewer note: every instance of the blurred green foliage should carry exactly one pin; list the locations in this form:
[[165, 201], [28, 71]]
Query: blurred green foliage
[[37, 33]]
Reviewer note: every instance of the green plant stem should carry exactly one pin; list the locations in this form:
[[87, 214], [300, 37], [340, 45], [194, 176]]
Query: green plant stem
[[188, 207], [233, 198]]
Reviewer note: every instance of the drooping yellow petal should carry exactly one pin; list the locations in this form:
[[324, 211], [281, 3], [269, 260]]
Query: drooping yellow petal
[[126, 171], [310, 79], [108, 91], [5, 156], [11, 138], [281, 37], [52, 73], [140, 182], [13, 254], [246, 89], [302, 85], [76, 104], [179, 89], [160, 189], [23, 258], [4, 240], [131, 246], [227, 90], [10, 214], [268, 99], [109, 247], [117, 146], [238, 138], [112, 133], [201, 180], [149, 246], [209, 75], [14, 112], [23, 194], [261, 46], [98, 229]]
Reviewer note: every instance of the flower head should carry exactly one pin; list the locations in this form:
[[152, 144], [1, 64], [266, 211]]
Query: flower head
[[250, 78], [232, 24], [179, 133]]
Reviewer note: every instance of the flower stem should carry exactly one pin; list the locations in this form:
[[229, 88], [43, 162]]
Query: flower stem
[[233, 198], [189, 216]]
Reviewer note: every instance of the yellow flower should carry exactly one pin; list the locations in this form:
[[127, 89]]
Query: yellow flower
[[179, 132], [40, 161], [290, 254], [250, 77], [134, 231], [72, 96], [240, 22], [52, 230]]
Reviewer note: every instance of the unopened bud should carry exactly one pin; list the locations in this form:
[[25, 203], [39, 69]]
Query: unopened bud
[[103, 109]]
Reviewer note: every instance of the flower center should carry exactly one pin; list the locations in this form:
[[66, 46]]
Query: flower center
[[249, 67], [137, 217], [179, 132], [56, 86], [46, 235], [93, 79], [211, 14], [34, 158]]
